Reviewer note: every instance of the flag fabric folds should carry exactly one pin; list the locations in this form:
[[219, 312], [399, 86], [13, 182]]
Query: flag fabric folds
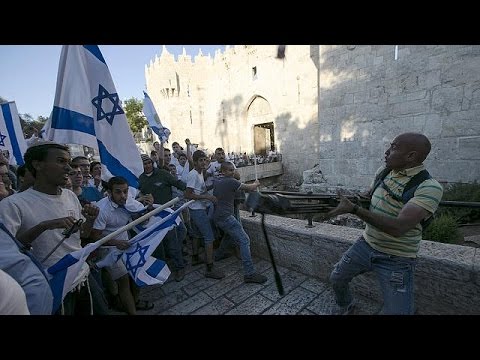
[[87, 111], [142, 267], [11, 133], [63, 274], [154, 120], [154, 219]]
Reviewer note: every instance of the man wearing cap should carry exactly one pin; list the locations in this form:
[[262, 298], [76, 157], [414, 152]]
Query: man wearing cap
[[159, 182]]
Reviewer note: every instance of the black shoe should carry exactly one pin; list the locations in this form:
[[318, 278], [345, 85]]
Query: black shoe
[[214, 273], [255, 278], [179, 274]]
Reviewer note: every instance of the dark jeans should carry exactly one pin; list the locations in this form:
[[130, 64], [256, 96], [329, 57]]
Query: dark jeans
[[172, 246], [100, 304], [395, 275], [78, 301]]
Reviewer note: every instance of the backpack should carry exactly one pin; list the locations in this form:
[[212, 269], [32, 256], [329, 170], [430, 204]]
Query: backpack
[[408, 190]]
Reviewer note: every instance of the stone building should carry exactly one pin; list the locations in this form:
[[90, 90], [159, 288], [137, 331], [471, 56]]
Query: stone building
[[333, 106]]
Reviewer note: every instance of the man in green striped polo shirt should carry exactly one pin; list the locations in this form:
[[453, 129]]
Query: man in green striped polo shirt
[[390, 242]]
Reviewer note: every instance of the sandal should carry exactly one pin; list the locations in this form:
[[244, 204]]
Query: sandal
[[144, 305]]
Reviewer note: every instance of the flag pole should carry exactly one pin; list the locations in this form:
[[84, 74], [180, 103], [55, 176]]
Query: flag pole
[[137, 221], [168, 217], [122, 229], [255, 163]]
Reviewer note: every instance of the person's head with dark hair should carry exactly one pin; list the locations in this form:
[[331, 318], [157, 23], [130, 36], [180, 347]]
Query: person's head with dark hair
[[76, 176], [93, 164], [227, 168], [176, 148], [25, 178], [167, 157], [118, 190], [198, 154], [172, 169], [199, 160], [147, 164], [39, 153], [182, 158], [84, 164], [219, 155]]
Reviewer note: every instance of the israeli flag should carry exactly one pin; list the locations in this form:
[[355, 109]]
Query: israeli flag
[[154, 219], [142, 267], [65, 272], [87, 111], [11, 134], [154, 120]]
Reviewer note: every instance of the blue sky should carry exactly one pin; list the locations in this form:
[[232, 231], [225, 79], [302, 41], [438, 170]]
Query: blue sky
[[28, 73]]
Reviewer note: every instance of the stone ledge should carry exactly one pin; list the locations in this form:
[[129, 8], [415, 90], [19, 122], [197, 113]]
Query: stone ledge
[[447, 279]]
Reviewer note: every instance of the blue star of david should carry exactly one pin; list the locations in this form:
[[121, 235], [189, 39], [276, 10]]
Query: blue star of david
[[133, 268], [2, 139], [98, 100]]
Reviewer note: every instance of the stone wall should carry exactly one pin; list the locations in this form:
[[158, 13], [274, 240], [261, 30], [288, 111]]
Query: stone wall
[[447, 278], [247, 173], [337, 106], [216, 100], [367, 97]]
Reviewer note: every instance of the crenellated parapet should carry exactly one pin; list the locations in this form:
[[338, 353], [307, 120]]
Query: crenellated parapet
[[166, 69]]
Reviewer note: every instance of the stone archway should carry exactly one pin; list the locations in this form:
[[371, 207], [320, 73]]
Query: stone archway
[[260, 120]]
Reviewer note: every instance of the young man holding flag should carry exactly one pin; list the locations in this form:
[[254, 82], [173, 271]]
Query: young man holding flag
[[39, 216], [112, 216]]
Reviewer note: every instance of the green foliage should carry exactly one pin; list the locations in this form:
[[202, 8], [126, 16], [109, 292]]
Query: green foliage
[[133, 110], [27, 120], [462, 192], [445, 226], [443, 229]]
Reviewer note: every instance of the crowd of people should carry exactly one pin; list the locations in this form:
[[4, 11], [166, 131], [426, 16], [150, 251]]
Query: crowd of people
[[240, 160], [52, 192]]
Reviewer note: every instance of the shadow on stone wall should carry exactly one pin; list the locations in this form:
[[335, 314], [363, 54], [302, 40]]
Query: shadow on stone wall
[[228, 109]]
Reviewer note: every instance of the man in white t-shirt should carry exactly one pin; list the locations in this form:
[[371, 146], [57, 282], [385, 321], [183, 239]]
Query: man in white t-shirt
[[197, 190], [38, 216]]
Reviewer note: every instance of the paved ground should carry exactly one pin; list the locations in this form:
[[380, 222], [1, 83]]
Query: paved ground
[[197, 295]]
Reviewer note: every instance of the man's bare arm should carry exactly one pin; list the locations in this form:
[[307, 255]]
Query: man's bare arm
[[408, 218]]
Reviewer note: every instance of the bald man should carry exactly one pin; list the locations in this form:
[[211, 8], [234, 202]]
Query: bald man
[[391, 240]]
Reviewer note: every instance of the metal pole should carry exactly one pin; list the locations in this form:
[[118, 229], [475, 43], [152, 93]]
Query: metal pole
[[278, 279], [309, 217], [130, 225]]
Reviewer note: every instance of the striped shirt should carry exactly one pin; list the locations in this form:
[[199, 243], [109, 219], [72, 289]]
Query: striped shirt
[[427, 195]]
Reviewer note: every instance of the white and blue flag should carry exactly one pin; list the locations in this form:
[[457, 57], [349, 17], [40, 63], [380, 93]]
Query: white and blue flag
[[154, 120], [65, 271], [142, 267], [87, 111], [11, 134]]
